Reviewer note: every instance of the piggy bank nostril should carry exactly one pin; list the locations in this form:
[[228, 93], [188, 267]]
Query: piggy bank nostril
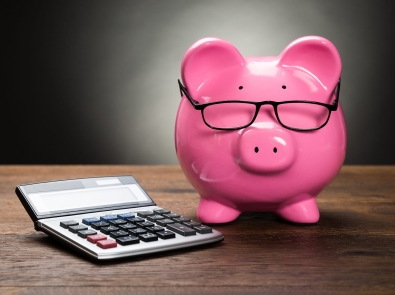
[[256, 149]]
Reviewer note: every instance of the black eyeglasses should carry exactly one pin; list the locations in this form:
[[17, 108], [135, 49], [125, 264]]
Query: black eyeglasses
[[297, 115]]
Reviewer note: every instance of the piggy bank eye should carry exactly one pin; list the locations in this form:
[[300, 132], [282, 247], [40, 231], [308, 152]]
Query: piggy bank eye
[[240, 87], [284, 87]]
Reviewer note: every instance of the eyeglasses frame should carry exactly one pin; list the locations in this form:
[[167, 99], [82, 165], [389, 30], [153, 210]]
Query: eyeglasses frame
[[197, 106]]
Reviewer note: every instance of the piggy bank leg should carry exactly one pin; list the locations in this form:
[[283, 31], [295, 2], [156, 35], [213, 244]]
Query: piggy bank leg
[[301, 209], [210, 211]]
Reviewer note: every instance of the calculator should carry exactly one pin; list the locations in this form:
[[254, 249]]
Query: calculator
[[109, 217]]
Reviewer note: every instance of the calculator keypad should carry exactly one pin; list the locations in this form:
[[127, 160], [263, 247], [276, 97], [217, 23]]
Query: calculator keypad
[[128, 228]]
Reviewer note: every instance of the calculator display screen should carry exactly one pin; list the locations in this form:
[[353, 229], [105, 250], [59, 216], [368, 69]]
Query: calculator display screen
[[74, 200]]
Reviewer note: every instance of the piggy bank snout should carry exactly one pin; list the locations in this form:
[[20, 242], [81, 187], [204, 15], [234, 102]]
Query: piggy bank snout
[[265, 150]]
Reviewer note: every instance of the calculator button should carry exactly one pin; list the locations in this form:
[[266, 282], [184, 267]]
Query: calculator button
[[129, 240], [164, 222], [155, 229], [137, 231], [85, 233], [181, 219], [171, 215], [99, 225], [166, 234], [105, 244], [118, 234], [108, 229], [154, 218], [181, 229], [145, 224], [67, 223], [161, 211], [89, 221], [136, 219], [191, 224], [76, 228], [124, 216], [144, 214], [117, 222], [203, 229], [149, 237], [107, 218], [94, 238], [127, 226]]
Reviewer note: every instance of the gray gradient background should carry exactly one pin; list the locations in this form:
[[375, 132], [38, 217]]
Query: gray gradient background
[[95, 81]]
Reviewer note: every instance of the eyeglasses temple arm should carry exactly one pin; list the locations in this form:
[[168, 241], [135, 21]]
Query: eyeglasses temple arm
[[337, 91], [183, 90]]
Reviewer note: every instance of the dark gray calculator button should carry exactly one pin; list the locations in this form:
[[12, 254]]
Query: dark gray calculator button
[[181, 219], [118, 234], [154, 218], [171, 215], [127, 226], [77, 228], [145, 224], [164, 222], [108, 229], [166, 234], [67, 223], [117, 222], [192, 224], [129, 240], [137, 231], [144, 214], [155, 229], [136, 219], [203, 229], [161, 211], [85, 233], [100, 224], [181, 229], [149, 237]]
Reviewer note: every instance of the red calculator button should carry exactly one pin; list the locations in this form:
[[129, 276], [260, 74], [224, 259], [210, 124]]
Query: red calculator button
[[106, 244], [94, 238]]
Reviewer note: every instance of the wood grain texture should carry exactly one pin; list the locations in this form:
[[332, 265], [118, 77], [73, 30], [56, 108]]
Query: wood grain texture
[[350, 250]]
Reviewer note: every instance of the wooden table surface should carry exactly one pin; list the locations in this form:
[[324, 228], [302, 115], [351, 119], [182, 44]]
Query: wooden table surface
[[351, 250]]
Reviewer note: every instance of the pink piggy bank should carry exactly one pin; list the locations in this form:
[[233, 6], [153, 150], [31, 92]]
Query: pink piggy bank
[[260, 134]]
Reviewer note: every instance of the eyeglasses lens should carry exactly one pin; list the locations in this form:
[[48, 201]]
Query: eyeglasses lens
[[302, 115], [229, 115]]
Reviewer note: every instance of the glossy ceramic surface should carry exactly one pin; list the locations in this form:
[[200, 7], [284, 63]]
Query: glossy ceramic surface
[[263, 167]]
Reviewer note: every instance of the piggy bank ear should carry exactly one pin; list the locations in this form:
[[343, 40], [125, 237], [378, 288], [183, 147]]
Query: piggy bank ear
[[207, 57], [315, 55]]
